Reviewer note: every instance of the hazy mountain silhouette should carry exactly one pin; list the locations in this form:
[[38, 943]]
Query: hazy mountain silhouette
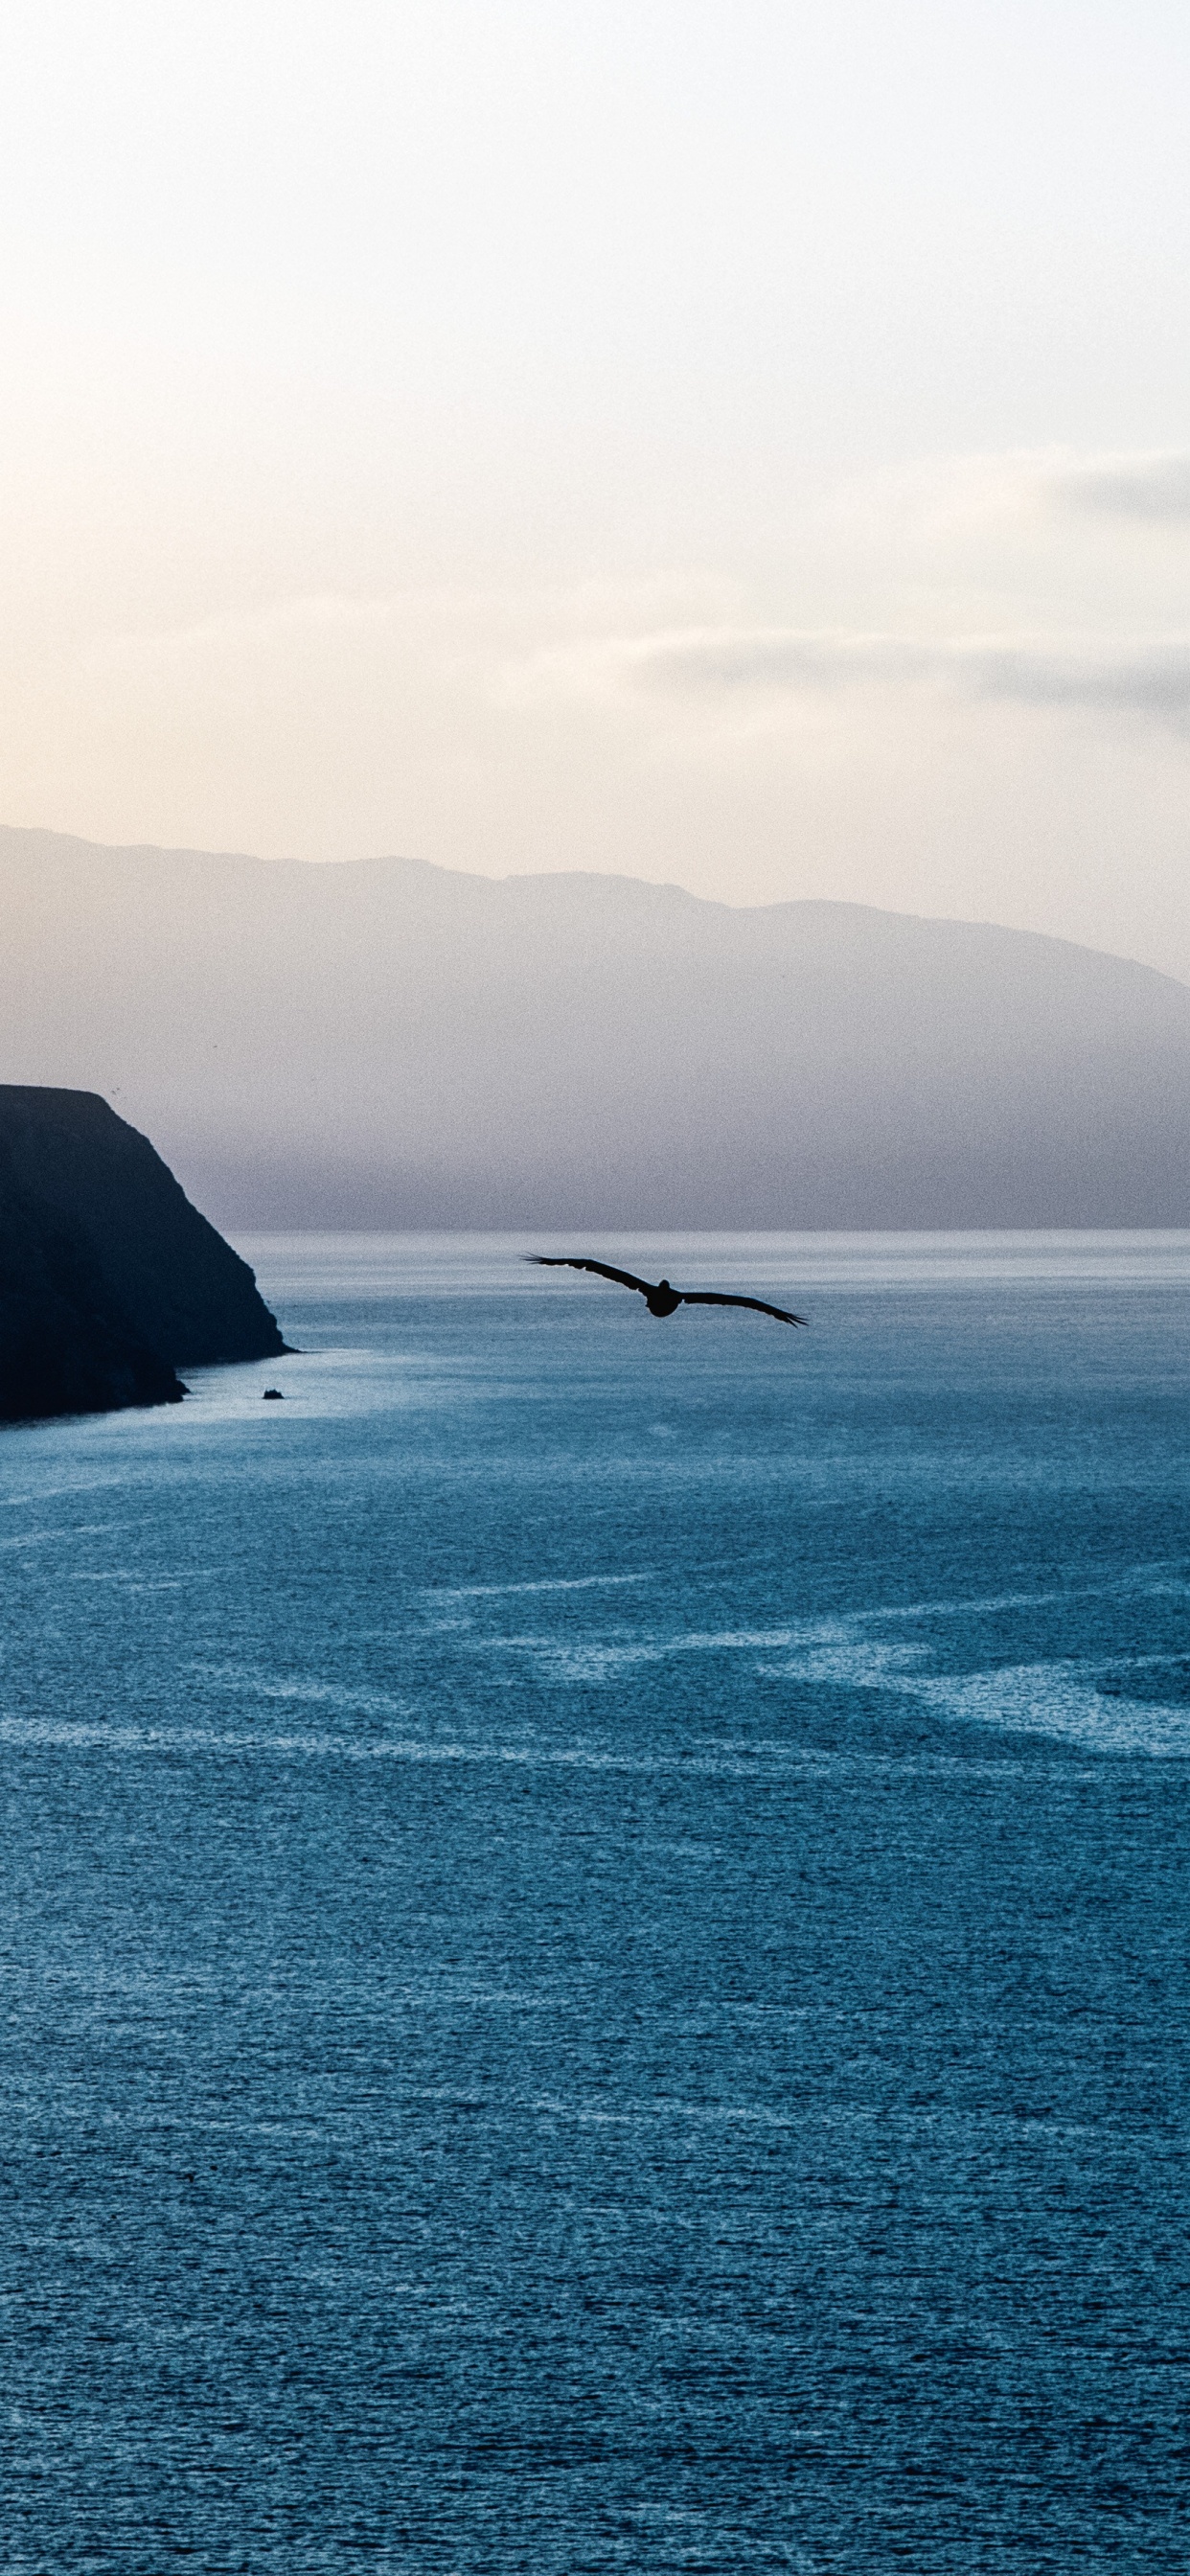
[[388, 1043]]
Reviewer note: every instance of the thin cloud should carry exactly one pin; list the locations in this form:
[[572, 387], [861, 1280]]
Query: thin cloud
[[1151, 680], [1129, 487], [1145, 679]]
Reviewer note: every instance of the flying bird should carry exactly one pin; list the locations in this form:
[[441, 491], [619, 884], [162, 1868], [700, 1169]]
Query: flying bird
[[660, 1298]]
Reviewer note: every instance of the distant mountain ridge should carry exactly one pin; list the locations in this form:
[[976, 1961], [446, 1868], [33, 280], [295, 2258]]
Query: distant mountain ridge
[[388, 1043]]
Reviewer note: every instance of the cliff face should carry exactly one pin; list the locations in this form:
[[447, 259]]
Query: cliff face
[[110, 1281]]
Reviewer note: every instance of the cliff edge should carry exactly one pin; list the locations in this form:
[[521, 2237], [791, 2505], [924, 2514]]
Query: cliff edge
[[110, 1281]]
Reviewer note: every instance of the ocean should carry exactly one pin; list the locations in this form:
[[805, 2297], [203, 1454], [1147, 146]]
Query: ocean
[[595, 1925]]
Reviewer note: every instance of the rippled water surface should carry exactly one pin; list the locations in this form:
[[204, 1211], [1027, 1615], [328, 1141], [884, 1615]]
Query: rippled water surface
[[595, 1919]]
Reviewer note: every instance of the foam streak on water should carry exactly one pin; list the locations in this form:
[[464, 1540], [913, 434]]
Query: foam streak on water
[[593, 1971]]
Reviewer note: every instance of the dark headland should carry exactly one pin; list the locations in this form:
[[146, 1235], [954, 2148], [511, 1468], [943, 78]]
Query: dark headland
[[110, 1281]]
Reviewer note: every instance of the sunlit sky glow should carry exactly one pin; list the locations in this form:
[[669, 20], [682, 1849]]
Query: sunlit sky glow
[[746, 445]]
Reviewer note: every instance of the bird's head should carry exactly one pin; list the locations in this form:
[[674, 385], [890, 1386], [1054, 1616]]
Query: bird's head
[[663, 1283]]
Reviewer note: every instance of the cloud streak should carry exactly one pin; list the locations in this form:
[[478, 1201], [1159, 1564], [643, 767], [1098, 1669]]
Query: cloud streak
[[1154, 488], [1147, 679]]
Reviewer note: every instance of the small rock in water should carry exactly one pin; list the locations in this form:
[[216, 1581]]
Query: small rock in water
[[272, 1395]]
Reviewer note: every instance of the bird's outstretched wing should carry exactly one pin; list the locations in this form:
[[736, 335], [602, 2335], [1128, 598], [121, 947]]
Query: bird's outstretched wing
[[711, 1297], [561, 1261]]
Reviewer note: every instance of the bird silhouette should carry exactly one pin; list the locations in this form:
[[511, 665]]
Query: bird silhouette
[[659, 1297]]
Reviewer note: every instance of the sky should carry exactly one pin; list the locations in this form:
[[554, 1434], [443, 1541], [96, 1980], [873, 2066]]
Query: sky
[[746, 446]]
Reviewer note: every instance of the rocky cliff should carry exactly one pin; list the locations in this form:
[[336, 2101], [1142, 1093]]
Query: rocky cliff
[[110, 1281]]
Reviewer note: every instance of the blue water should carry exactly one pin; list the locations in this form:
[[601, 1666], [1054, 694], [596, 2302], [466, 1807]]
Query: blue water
[[595, 1927]]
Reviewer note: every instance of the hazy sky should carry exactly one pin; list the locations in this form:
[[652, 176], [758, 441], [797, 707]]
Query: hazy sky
[[745, 444]]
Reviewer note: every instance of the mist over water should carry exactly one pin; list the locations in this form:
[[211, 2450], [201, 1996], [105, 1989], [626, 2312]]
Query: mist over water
[[595, 1945]]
